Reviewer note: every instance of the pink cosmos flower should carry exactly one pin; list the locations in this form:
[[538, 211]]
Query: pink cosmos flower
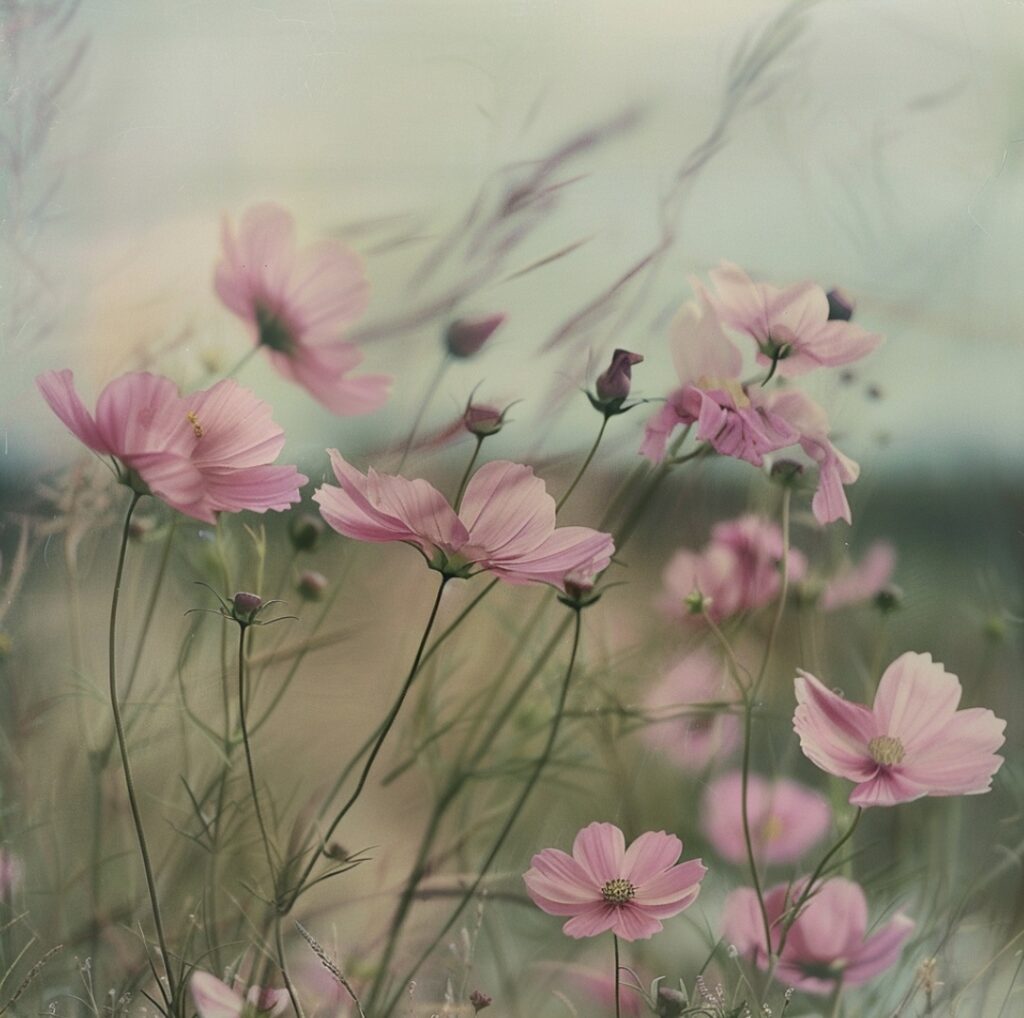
[[786, 819], [693, 742], [505, 524], [913, 742], [827, 941], [737, 571], [790, 326], [208, 452], [605, 886], [729, 417], [297, 304], [862, 581], [214, 999]]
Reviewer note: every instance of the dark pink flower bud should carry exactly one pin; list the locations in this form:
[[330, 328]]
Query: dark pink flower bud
[[312, 585], [840, 305], [465, 336], [480, 1000], [483, 421], [305, 531], [613, 385], [246, 605]]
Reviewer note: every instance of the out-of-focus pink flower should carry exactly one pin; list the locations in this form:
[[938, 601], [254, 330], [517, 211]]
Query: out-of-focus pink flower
[[505, 524], [297, 304], [605, 886], [913, 742], [214, 999], [737, 571], [597, 985], [786, 819], [729, 417], [862, 581], [790, 326], [466, 336], [208, 452], [12, 872], [827, 941], [693, 742], [835, 470]]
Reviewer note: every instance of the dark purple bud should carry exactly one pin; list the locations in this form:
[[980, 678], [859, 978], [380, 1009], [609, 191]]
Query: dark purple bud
[[465, 336], [889, 598], [312, 585], [305, 531], [615, 382], [786, 472], [480, 1001], [840, 306], [246, 605], [671, 1003]]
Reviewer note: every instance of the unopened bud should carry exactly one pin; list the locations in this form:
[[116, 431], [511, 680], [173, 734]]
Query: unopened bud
[[483, 421], [245, 605], [612, 387], [579, 590], [696, 603], [465, 336], [889, 598], [305, 531], [480, 1001], [840, 305], [671, 1003], [311, 585]]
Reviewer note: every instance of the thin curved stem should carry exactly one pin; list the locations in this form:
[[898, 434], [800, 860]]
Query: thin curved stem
[[586, 463], [468, 471], [250, 766], [385, 728], [783, 593], [122, 743], [432, 385], [510, 822], [241, 363]]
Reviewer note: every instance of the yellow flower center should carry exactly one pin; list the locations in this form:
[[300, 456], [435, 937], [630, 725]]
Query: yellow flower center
[[197, 428], [886, 750], [771, 829], [730, 385], [618, 891]]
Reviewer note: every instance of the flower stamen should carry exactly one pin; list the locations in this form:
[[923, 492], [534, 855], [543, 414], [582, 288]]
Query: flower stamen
[[618, 891], [886, 750], [197, 428]]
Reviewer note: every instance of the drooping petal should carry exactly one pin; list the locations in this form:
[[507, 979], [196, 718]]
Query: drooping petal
[[559, 884], [568, 550], [591, 921], [58, 389], [834, 733], [661, 425], [255, 489], [600, 849], [960, 758], [698, 344], [633, 923], [831, 924], [675, 887], [888, 787], [879, 952], [507, 510]]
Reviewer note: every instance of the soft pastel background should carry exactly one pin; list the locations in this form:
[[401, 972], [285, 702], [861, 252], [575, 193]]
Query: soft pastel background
[[886, 154]]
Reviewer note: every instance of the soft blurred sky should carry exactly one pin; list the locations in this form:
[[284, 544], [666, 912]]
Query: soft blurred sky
[[889, 158]]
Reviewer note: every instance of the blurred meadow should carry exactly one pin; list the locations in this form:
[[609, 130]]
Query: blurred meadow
[[572, 166]]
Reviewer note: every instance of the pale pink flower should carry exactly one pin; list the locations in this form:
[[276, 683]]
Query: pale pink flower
[[693, 742], [861, 581], [505, 524], [790, 325], [913, 742], [827, 942], [208, 452], [786, 819], [297, 305], [214, 999], [835, 470], [605, 886], [738, 570], [728, 416]]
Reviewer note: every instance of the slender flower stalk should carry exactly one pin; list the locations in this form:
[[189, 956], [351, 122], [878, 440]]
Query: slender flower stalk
[[378, 744], [170, 993], [586, 463], [618, 979], [510, 822]]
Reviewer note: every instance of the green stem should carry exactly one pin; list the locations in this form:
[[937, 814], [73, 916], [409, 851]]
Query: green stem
[[468, 471], [242, 362], [374, 752], [250, 766], [783, 593], [809, 888], [510, 822], [432, 385], [618, 979], [169, 994], [586, 463]]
